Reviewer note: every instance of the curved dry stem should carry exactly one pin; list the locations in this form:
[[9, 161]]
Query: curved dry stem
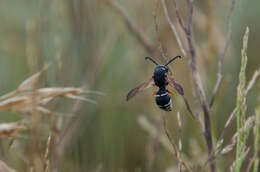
[[176, 151], [222, 55], [140, 36], [173, 27]]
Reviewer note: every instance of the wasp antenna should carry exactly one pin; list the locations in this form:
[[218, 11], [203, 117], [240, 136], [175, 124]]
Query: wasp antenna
[[172, 60], [152, 60]]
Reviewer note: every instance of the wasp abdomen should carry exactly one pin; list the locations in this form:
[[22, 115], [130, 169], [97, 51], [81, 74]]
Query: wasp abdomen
[[163, 100]]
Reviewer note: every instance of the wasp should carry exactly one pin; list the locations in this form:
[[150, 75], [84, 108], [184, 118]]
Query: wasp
[[161, 79]]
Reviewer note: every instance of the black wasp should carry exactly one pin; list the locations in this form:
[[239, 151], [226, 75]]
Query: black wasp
[[160, 79]]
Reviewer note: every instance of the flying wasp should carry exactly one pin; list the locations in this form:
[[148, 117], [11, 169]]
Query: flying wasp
[[160, 79]]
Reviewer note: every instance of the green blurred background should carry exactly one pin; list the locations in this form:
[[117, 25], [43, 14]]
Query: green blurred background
[[88, 43]]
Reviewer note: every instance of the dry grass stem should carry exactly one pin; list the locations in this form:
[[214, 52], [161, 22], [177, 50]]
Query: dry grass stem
[[253, 80], [46, 155], [179, 122], [173, 27], [176, 151], [164, 140], [161, 48], [194, 116], [140, 36], [180, 142], [257, 137], [198, 84], [197, 80], [179, 16], [11, 130], [154, 133], [223, 53]]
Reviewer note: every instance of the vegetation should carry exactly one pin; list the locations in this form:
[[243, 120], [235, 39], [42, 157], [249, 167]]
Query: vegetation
[[67, 66]]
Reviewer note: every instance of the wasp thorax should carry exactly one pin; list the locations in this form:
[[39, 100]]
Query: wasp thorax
[[159, 75]]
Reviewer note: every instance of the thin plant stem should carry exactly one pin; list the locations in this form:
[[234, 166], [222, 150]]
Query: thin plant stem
[[176, 151], [257, 136], [222, 55], [196, 78]]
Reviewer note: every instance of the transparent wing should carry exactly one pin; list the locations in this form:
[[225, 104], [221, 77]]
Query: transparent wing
[[139, 88], [175, 85]]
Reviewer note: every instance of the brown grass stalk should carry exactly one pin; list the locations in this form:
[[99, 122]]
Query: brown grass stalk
[[223, 53], [137, 32], [173, 28], [175, 148], [197, 81]]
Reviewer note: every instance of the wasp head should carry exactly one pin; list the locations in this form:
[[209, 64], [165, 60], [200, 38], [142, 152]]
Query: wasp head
[[161, 70]]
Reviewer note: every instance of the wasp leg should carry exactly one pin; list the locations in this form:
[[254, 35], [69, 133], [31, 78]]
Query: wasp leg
[[170, 93]]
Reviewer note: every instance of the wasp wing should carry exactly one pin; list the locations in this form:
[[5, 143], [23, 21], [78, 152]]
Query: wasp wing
[[139, 88], [175, 85]]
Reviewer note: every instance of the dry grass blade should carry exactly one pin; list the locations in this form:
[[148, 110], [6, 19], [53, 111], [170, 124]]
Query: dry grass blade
[[57, 92], [5, 168], [31, 82], [253, 80], [71, 96], [231, 117], [22, 104], [12, 103], [228, 148], [248, 124], [94, 92], [8, 95], [27, 98], [37, 99], [11, 130], [27, 85]]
